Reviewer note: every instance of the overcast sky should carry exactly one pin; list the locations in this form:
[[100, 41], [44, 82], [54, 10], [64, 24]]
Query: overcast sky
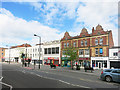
[[50, 19]]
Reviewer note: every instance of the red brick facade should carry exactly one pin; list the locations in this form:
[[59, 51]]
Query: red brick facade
[[98, 33]]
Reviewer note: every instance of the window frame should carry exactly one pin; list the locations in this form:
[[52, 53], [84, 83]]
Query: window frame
[[96, 50], [96, 41]]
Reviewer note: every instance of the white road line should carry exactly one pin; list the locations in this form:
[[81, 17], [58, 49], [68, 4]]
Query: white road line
[[1, 78], [62, 81], [6, 84]]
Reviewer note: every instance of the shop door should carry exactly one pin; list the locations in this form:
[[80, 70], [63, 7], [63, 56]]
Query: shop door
[[99, 65]]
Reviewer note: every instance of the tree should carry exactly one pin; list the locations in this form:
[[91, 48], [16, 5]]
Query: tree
[[71, 54]]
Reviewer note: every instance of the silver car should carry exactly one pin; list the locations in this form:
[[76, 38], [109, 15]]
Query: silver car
[[110, 75]]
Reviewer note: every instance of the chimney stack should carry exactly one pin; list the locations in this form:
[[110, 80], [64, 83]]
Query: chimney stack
[[92, 29]]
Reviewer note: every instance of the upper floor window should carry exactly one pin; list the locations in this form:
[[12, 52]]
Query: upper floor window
[[74, 44], [115, 54], [101, 51], [64, 45], [45, 51], [53, 50], [49, 50], [80, 51], [81, 43], [96, 42], [57, 50], [86, 43], [96, 51], [2, 49], [101, 41], [67, 44], [86, 51]]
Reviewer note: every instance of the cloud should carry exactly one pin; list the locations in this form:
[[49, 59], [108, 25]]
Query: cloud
[[103, 13], [14, 30]]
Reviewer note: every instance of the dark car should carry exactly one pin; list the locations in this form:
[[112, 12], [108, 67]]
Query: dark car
[[110, 75]]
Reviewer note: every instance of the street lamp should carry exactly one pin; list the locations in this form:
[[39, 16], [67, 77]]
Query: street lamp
[[39, 47]]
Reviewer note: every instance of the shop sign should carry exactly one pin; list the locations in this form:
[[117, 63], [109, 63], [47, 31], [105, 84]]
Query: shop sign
[[99, 58], [84, 58], [64, 58], [57, 58], [50, 58], [45, 58]]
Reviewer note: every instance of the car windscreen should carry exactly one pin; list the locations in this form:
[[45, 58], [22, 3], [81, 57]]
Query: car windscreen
[[108, 70]]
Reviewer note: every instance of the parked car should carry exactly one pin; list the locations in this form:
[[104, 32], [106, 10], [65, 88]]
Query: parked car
[[110, 75]]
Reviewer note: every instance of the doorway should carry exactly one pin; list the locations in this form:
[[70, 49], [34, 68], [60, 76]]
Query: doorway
[[100, 65]]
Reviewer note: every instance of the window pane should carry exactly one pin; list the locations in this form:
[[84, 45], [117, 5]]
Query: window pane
[[49, 50], [57, 50], [45, 51], [53, 50], [101, 51]]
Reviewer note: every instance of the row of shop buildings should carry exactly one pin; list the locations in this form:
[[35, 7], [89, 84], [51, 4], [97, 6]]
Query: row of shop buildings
[[96, 50]]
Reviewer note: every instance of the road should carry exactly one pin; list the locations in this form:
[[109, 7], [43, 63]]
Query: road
[[19, 77]]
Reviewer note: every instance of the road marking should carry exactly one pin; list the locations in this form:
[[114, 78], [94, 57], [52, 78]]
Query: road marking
[[1, 78], [5, 83], [62, 81]]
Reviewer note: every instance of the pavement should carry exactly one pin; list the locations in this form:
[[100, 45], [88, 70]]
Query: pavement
[[96, 72]]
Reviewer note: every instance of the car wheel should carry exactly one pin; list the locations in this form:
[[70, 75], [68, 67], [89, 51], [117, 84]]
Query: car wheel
[[108, 78]]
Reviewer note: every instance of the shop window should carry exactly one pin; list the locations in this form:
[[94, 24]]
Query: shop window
[[80, 51], [67, 44], [101, 51], [45, 51], [53, 50], [57, 50], [74, 44], [49, 50], [81, 43], [101, 41], [96, 42], [86, 51], [96, 51], [115, 54], [64, 45], [86, 43]]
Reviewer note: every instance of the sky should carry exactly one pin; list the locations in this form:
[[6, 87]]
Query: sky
[[50, 19]]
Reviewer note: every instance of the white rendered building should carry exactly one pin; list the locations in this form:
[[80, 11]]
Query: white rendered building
[[52, 52], [114, 57]]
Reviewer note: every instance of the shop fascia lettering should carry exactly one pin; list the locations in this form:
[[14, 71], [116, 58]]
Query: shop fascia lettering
[[99, 58]]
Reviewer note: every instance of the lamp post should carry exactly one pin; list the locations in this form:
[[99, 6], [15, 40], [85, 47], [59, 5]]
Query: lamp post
[[39, 47]]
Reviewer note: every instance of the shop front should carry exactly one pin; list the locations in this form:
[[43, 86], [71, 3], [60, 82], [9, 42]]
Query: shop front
[[100, 62], [84, 62], [65, 62], [51, 60]]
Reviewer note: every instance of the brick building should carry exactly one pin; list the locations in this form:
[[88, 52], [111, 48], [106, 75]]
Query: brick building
[[93, 49], [2, 54]]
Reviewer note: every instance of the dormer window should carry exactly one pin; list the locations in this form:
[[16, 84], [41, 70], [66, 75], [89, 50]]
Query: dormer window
[[64, 45], [101, 41], [81, 43], [98, 33], [83, 35], [67, 44], [96, 42], [74, 44]]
